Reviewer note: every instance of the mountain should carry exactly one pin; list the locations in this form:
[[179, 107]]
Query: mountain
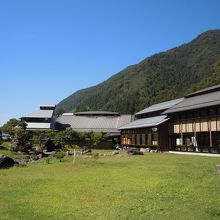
[[164, 76]]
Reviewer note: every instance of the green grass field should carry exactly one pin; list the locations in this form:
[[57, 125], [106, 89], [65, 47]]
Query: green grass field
[[154, 186]]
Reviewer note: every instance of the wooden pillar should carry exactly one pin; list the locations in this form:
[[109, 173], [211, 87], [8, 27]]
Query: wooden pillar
[[181, 132], [195, 140], [210, 136]]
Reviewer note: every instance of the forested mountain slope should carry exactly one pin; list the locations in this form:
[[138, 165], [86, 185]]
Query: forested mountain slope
[[161, 77]]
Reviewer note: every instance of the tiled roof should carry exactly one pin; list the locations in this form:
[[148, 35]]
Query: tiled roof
[[160, 106], [206, 90], [96, 124], [146, 122], [196, 102], [40, 114]]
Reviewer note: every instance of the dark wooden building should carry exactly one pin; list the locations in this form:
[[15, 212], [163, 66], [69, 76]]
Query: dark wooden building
[[194, 124], [150, 129]]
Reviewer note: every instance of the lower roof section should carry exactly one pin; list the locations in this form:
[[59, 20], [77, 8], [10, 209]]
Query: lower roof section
[[160, 106], [146, 122]]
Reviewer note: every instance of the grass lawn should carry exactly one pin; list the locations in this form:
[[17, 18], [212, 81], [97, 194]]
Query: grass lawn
[[154, 186]]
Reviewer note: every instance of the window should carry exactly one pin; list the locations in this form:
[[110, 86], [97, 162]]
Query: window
[[213, 124], [204, 125], [183, 126], [155, 138], [176, 127], [189, 126], [179, 142], [197, 125], [218, 123]]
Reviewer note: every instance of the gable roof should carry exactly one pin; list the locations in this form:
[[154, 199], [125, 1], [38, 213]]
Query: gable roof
[[206, 90], [196, 102], [160, 106], [97, 123], [146, 122], [40, 114]]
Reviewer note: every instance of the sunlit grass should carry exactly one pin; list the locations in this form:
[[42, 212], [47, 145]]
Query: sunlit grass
[[154, 186]]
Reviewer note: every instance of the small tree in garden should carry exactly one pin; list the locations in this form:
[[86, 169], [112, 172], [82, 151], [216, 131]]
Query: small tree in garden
[[38, 136], [49, 134], [60, 139], [96, 138], [20, 140], [60, 155], [12, 124], [82, 135], [70, 135]]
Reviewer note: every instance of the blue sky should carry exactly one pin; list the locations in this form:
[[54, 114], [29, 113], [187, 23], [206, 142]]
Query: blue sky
[[51, 48]]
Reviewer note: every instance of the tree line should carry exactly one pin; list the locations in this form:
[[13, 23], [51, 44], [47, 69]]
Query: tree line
[[17, 130]]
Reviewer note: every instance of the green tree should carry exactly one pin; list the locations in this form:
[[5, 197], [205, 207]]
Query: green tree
[[82, 135], [69, 136], [60, 138], [96, 138], [12, 124], [49, 134], [38, 136], [21, 137]]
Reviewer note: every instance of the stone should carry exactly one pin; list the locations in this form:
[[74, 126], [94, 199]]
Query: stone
[[144, 150], [118, 147], [134, 151], [6, 161], [35, 157], [86, 150], [115, 153], [48, 153]]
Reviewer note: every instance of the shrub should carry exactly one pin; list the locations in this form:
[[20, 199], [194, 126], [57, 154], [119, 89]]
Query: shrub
[[76, 147], [60, 155], [96, 138], [48, 159]]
